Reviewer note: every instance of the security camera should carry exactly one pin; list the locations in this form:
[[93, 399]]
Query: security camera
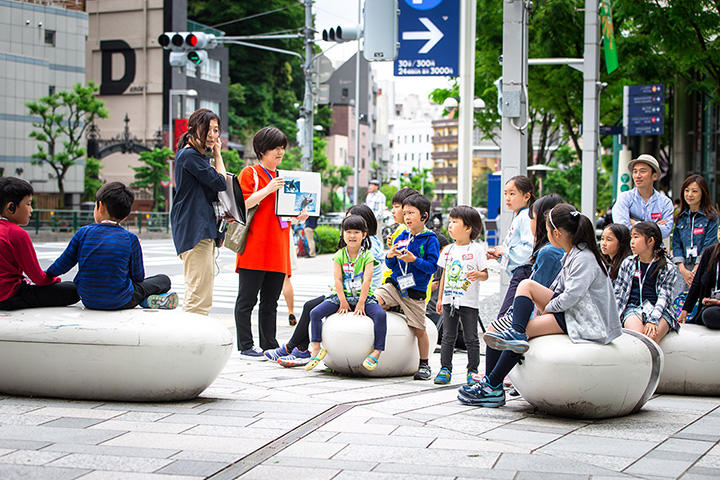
[[27, 22], [39, 24]]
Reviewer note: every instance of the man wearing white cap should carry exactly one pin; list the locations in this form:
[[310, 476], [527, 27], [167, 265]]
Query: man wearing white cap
[[375, 199], [644, 203]]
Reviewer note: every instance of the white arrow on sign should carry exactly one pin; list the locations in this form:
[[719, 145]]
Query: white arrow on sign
[[432, 35]]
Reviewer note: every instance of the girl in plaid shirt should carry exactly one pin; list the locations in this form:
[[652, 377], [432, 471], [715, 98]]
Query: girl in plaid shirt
[[644, 285]]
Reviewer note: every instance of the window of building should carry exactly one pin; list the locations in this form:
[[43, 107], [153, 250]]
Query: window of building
[[190, 106], [428, 138], [210, 70], [190, 70], [51, 90], [412, 156], [210, 105], [345, 92], [50, 37], [363, 163]]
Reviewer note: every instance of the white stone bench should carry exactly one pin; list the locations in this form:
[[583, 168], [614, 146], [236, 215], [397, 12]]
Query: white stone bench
[[128, 355], [588, 380], [348, 339], [692, 361]]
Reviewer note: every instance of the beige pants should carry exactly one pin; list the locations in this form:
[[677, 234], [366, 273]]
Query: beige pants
[[310, 240], [199, 270], [414, 310]]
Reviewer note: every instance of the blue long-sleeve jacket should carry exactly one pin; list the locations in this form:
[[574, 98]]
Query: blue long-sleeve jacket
[[695, 229], [631, 204], [426, 248], [192, 215], [548, 263]]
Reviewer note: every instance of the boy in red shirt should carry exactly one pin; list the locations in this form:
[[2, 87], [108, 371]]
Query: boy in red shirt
[[18, 258]]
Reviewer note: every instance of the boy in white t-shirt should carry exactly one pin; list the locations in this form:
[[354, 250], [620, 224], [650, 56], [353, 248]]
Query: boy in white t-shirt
[[465, 265]]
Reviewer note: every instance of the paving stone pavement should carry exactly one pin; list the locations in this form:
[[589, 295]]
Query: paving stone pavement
[[259, 421]]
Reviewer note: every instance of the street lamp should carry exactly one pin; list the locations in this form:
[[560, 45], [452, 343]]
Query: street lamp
[[174, 92], [541, 171]]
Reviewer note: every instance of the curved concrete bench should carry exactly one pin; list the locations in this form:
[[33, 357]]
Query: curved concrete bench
[[348, 339], [128, 355], [587, 380], [692, 357]]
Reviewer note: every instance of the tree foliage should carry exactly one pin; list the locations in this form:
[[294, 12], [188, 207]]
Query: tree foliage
[[63, 118], [264, 86], [153, 173], [420, 181], [92, 179]]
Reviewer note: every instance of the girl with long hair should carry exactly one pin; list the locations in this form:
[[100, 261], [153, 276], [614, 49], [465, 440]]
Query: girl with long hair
[[615, 247]]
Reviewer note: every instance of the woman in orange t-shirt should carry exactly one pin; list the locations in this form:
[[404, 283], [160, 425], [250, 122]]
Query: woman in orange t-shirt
[[265, 262]]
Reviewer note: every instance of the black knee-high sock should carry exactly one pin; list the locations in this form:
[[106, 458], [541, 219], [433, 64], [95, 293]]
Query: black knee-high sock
[[522, 309], [491, 358], [508, 359]]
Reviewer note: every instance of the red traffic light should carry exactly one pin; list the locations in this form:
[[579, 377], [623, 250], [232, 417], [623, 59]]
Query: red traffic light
[[191, 40]]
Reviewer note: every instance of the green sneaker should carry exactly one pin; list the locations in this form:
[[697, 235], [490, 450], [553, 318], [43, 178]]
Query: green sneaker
[[471, 378], [443, 377]]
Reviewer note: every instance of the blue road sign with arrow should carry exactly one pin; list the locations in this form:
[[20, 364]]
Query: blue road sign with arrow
[[429, 36], [643, 109]]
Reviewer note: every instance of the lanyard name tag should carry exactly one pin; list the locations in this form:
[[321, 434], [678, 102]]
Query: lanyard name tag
[[406, 281], [354, 285]]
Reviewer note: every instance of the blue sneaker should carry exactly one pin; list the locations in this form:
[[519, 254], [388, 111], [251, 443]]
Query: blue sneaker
[[509, 339], [163, 301], [274, 355], [443, 377], [297, 358], [482, 395]]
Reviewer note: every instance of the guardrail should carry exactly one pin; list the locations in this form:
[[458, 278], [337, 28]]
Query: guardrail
[[72, 220]]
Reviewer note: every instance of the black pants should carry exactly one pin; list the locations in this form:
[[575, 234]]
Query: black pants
[[301, 336], [269, 284], [710, 317], [150, 286], [469, 319], [32, 296], [521, 273]]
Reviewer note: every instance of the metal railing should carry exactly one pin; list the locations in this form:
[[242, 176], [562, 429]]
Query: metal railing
[[71, 220]]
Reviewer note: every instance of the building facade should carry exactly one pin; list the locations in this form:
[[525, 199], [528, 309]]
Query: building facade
[[43, 52]]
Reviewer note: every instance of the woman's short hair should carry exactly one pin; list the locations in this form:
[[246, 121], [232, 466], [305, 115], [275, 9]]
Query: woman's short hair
[[268, 138]]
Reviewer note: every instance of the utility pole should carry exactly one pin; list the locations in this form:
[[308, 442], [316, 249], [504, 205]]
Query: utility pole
[[467, 93], [591, 120], [356, 166], [308, 102]]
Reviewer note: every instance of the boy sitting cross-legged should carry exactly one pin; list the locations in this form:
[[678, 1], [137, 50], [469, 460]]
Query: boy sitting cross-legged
[[412, 259], [18, 258], [110, 274]]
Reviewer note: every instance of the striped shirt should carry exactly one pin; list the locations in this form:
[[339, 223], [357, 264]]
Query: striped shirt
[[109, 260]]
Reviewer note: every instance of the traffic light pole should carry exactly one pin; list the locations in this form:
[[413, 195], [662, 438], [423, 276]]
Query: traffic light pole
[[308, 101]]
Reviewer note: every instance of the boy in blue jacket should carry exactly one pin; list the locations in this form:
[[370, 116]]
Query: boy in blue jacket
[[412, 259]]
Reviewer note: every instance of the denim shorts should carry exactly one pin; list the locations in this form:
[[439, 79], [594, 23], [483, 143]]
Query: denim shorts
[[637, 311]]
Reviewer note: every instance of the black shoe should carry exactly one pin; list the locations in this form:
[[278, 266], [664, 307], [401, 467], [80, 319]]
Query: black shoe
[[292, 320], [423, 373]]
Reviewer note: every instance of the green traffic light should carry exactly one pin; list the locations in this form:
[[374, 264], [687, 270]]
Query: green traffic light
[[194, 57]]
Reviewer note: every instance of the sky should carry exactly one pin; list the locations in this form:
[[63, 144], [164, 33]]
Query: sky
[[330, 13]]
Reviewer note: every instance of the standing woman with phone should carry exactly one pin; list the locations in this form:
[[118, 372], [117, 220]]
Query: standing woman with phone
[[265, 261], [194, 224]]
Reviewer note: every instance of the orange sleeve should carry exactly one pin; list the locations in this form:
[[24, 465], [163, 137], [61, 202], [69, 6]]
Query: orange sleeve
[[247, 182]]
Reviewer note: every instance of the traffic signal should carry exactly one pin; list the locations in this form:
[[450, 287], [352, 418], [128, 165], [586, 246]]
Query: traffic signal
[[380, 20], [342, 34], [187, 46]]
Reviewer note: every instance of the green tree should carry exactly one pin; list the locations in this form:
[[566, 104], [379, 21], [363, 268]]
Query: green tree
[[153, 173], [233, 162], [335, 177], [420, 181], [480, 189], [448, 202], [92, 178], [63, 118], [388, 190]]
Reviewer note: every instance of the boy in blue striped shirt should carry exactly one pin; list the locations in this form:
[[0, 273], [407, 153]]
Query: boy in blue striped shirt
[[110, 274]]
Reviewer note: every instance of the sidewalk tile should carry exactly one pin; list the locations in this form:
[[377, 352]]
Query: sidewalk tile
[[705, 471], [143, 417], [73, 422], [56, 434], [526, 438], [630, 430], [109, 450], [688, 446], [265, 434], [591, 444], [432, 432], [207, 456], [389, 476], [710, 461], [339, 425], [545, 464], [27, 419], [191, 467], [309, 449], [107, 475], [477, 444], [380, 454], [206, 419], [77, 412], [32, 457], [187, 442], [7, 443], [26, 472], [672, 455], [264, 472], [610, 462], [393, 421], [111, 463], [152, 427], [551, 476], [410, 471], [369, 439], [658, 467], [330, 464]]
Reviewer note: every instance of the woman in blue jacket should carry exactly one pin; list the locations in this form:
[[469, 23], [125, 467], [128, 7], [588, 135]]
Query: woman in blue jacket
[[696, 226], [194, 223]]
